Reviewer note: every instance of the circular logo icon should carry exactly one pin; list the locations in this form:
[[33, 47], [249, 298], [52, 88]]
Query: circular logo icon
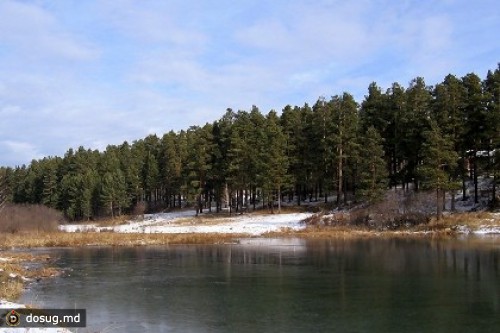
[[13, 318]]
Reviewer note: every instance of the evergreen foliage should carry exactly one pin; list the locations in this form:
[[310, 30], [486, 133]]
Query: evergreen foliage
[[371, 167], [439, 159], [415, 137]]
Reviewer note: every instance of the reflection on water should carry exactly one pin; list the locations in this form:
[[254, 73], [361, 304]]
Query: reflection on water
[[264, 285]]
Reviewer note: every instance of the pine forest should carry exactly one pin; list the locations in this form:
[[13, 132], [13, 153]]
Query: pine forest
[[339, 151]]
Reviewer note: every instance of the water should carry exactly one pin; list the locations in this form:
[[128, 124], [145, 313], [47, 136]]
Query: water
[[281, 286]]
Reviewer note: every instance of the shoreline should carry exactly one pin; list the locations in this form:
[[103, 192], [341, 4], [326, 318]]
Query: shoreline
[[162, 230], [183, 227], [17, 248], [26, 241]]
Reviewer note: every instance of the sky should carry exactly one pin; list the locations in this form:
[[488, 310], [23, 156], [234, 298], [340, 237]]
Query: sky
[[97, 72]]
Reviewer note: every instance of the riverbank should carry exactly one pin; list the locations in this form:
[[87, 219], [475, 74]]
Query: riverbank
[[19, 268], [185, 228]]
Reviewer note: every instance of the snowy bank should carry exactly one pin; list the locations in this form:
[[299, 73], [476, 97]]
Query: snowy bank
[[252, 224]]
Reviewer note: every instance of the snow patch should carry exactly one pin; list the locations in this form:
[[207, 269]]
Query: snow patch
[[252, 224], [487, 230]]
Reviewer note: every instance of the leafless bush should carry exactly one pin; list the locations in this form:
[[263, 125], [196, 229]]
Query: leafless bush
[[399, 210], [315, 219], [21, 218], [139, 209]]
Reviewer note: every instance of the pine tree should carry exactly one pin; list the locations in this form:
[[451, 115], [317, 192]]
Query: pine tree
[[448, 112], [341, 138], [372, 171], [50, 195], [239, 155], [439, 158], [320, 128], [275, 160], [476, 123], [150, 171], [414, 124], [293, 124], [170, 167], [396, 133], [3, 187], [375, 111], [492, 89], [200, 147]]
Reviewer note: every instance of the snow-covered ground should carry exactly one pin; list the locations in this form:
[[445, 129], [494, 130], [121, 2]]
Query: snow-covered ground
[[252, 224]]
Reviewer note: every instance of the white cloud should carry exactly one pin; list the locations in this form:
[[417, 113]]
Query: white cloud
[[21, 150], [94, 73], [36, 34], [151, 22]]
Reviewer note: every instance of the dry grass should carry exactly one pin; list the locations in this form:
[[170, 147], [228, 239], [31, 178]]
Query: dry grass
[[472, 220], [469, 221], [109, 222], [14, 272], [353, 232], [76, 239], [445, 227], [10, 289]]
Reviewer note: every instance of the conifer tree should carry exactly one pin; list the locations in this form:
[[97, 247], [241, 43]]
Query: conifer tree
[[492, 89], [372, 171], [3, 187], [320, 129], [439, 158], [221, 157], [200, 147], [396, 134], [275, 160], [476, 123], [50, 184], [414, 123], [341, 137], [170, 167], [293, 125]]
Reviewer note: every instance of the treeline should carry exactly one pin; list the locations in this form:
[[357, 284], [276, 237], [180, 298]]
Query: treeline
[[420, 137]]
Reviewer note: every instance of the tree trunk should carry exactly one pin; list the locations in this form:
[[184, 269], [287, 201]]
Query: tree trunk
[[452, 208], [464, 173], [279, 199], [271, 202], [298, 194], [210, 195], [345, 191], [254, 197], [476, 200], [339, 178], [494, 190], [444, 200], [438, 204]]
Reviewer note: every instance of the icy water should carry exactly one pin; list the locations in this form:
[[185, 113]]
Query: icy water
[[281, 286]]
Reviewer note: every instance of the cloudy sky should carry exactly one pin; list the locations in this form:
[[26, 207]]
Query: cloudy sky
[[99, 72]]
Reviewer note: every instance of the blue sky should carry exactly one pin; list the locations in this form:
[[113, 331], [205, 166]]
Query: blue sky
[[93, 72]]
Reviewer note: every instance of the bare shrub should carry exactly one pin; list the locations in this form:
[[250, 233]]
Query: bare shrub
[[139, 209], [337, 219], [21, 218], [315, 219], [399, 210]]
